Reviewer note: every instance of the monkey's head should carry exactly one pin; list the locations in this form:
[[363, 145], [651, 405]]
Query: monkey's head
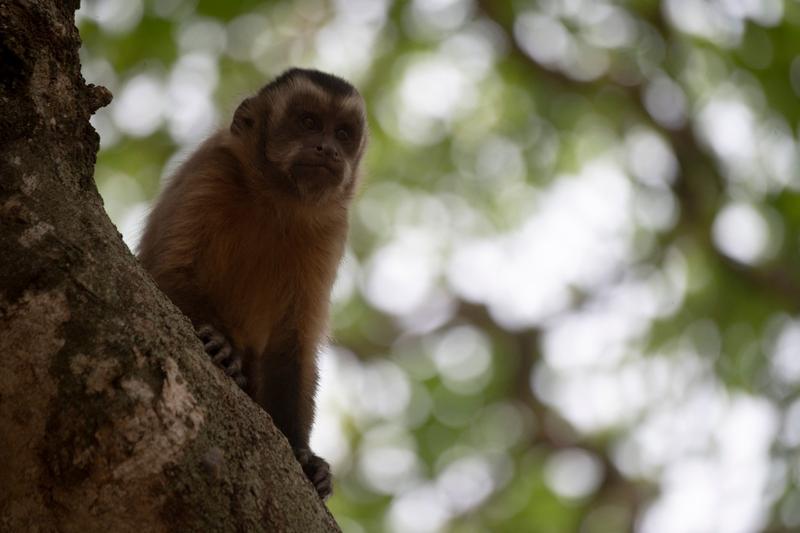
[[307, 132]]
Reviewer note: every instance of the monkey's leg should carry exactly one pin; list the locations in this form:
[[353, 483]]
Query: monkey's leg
[[222, 353], [290, 380]]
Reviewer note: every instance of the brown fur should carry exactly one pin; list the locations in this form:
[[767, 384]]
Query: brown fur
[[239, 241]]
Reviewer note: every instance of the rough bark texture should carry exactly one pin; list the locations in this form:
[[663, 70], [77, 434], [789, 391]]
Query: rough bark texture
[[111, 417]]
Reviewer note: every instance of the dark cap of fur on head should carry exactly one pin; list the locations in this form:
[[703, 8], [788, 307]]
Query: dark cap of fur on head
[[332, 84], [253, 107]]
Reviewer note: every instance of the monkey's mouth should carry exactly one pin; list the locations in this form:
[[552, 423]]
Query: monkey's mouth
[[315, 170]]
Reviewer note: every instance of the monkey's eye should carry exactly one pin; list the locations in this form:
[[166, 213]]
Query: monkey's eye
[[342, 135], [309, 122]]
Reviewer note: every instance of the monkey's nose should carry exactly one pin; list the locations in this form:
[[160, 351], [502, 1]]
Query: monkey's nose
[[328, 151]]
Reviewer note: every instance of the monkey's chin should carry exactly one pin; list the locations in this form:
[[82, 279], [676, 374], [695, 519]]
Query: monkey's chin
[[315, 178]]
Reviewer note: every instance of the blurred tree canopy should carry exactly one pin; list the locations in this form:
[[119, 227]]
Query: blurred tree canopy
[[570, 301]]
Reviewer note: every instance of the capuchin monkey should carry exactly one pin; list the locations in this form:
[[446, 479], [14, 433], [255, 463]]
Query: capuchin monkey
[[247, 236]]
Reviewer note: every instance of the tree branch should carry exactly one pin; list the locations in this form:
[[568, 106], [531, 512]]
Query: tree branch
[[111, 416]]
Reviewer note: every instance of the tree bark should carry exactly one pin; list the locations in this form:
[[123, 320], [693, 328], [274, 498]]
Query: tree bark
[[112, 418]]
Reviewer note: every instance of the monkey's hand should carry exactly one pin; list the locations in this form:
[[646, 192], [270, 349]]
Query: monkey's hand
[[222, 353], [316, 470]]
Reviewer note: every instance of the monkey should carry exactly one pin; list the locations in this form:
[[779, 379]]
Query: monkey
[[247, 236]]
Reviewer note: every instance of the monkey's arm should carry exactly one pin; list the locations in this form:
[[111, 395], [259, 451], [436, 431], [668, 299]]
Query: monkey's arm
[[171, 249]]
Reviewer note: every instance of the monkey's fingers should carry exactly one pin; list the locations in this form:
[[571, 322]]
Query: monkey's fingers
[[221, 355], [323, 482], [235, 371], [230, 361], [205, 332], [215, 345], [317, 470], [240, 380], [212, 339], [234, 366]]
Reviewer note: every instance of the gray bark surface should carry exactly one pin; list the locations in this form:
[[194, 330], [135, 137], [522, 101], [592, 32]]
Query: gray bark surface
[[111, 417]]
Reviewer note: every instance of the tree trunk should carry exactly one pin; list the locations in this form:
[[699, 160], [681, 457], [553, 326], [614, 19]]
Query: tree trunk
[[111, 417]]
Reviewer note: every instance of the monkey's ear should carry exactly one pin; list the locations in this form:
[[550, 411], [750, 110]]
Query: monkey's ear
[[243, 119]]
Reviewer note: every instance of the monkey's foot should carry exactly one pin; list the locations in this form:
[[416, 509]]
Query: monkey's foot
[[317, 470], [222, 353]]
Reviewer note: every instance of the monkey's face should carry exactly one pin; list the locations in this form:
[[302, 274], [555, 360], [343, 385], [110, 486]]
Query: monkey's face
[[314, 135], [317, 141]]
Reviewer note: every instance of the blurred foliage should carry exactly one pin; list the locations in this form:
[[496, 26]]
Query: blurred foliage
[[570, 299]]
